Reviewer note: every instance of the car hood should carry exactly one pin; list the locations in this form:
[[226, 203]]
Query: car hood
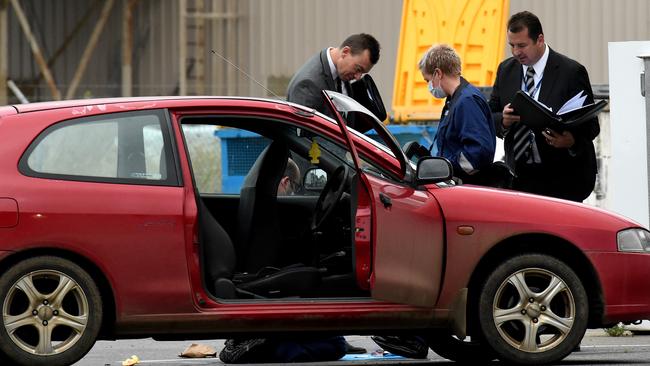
[[497, 214]]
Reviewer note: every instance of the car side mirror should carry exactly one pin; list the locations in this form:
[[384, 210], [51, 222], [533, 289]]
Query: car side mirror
[[413, 149], [315, 179], [433, 169]]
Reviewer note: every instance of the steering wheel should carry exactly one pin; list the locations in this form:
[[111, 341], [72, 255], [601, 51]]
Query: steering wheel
[[330, 195]]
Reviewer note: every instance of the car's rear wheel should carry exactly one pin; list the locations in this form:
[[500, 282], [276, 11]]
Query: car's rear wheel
[[471, 351], [533, 309], [51, 312]]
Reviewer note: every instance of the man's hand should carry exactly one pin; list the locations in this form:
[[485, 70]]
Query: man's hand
[[509, 116], [558, 140]]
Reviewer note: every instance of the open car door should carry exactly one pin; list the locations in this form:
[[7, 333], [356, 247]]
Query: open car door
[[406, 222]]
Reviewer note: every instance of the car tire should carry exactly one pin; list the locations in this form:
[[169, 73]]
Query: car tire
[[533, 309], [471, 352], [51, 312]]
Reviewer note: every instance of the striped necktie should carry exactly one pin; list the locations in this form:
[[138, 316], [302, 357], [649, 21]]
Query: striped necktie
[[524, 138], [530, 80]]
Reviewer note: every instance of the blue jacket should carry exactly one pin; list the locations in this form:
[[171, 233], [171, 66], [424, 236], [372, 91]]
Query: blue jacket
[[466, 134]]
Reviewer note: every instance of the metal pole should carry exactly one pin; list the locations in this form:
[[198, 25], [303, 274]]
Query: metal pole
[[127, 49], [182, 47], [4, 52], [19, 94], [645, 91], [24, 24], [231, 48], [199, 49]]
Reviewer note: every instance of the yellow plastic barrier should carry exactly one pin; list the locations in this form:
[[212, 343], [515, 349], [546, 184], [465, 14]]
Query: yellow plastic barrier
[[474, 28]]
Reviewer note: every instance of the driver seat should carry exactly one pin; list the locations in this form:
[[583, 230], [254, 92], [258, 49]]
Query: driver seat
[[258, 221], [219, 261]]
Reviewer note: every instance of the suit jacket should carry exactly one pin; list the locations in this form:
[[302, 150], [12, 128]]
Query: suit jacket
[[310, 80], [563, 173]]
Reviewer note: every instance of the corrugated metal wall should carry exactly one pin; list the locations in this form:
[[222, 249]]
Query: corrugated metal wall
[[271, 39], [285, 33], [155, 46], [53, 24]]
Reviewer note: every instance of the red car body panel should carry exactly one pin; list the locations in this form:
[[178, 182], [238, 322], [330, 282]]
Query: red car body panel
[[625, 291], [408, 262]]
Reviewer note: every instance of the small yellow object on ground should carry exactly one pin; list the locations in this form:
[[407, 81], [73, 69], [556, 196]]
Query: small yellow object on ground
[[133, 360]]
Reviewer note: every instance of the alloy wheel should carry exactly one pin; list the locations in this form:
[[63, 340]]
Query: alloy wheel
[[45, 312], [534, 310]]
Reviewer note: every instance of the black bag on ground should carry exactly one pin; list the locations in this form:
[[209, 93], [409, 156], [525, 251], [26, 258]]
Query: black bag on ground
[[282, 350], [405, 346]]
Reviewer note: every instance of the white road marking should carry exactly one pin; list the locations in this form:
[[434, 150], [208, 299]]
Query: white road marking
[[614, 345], [179, 360]]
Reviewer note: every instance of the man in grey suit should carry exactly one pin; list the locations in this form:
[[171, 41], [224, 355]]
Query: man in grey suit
[[332, 69]]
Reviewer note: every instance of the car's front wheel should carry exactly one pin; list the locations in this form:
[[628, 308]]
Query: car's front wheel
[[51, 312], [533, 309]]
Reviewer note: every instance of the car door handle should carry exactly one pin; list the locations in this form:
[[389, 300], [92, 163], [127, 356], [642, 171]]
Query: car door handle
[[385, 200]]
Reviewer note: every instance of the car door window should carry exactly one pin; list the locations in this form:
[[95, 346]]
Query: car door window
[[117, 148], [222, 155]]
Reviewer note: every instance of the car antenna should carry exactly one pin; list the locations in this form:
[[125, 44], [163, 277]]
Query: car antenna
[[245, 73]]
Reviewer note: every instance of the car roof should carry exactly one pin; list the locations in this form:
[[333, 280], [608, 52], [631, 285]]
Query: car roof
[[41, 106]]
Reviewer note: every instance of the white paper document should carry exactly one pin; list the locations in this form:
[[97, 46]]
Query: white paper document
[[574, 103]]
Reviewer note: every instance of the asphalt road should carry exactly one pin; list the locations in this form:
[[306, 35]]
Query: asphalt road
[[597, 349]]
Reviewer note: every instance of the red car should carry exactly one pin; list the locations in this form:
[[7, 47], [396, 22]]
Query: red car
[[162, 217]]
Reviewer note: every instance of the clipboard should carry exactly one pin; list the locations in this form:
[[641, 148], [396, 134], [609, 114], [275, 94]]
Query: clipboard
[[538, 117]]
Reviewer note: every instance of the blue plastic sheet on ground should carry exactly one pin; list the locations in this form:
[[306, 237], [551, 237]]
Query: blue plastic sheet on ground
[[371, 356]]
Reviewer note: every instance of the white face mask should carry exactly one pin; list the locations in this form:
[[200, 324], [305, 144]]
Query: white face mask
[[436, 91]]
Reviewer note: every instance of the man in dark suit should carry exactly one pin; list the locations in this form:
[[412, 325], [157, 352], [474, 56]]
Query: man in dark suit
[[332, 69], [553, 163]]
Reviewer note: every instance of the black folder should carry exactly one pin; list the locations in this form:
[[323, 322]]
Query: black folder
[[538, 117], [366, 93]]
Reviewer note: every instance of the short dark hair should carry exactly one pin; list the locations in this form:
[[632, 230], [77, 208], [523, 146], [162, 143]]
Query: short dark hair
[[363, 41], [526, 19]]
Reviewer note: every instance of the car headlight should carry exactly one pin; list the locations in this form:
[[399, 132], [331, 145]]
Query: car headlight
[[633, 240]]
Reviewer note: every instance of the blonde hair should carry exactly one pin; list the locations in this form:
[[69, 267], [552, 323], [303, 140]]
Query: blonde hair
[[441, 57]]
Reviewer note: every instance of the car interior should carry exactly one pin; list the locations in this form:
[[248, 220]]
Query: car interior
[[257, 244]]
